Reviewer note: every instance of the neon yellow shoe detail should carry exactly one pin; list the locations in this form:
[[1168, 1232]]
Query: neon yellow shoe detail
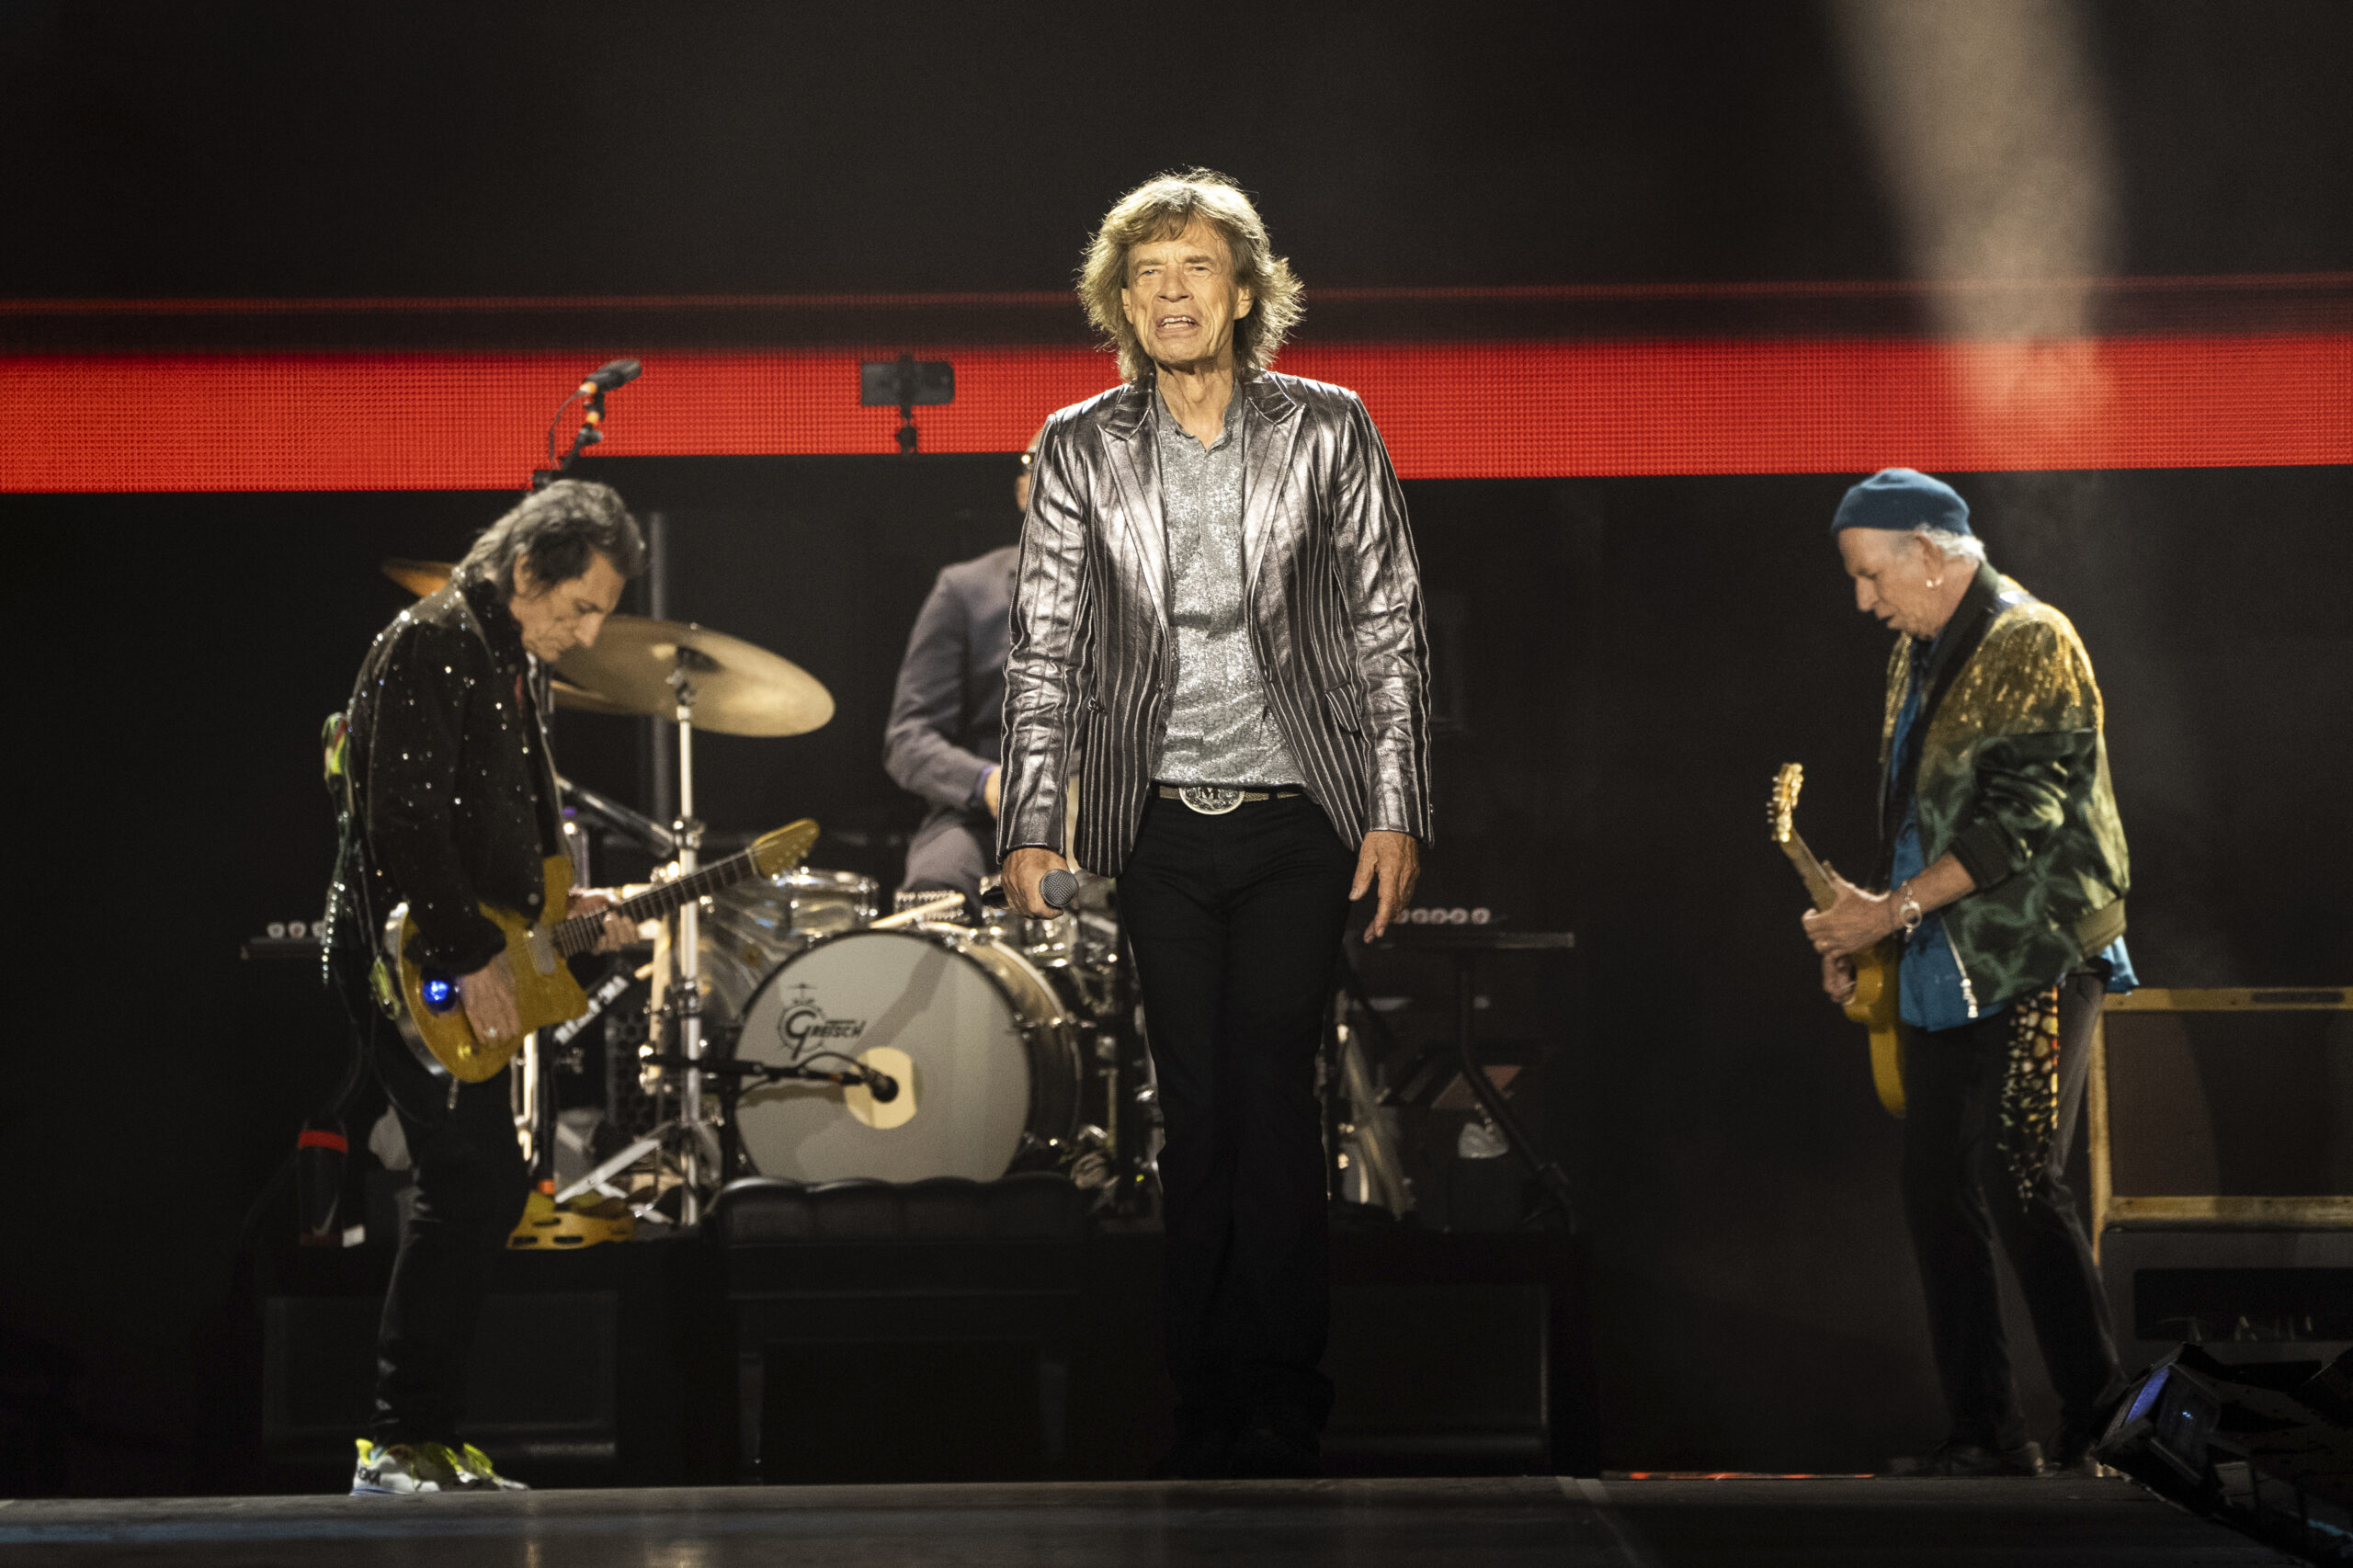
[[403, 1470], [475, 1472]]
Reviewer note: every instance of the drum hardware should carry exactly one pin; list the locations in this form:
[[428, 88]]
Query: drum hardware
[[708, 680], [1465, 943], [647, 833], [881, 1085], [1370, 1129], [934, 910]]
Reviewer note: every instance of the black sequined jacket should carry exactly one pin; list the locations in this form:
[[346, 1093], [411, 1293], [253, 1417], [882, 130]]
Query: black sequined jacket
[[448, 760]]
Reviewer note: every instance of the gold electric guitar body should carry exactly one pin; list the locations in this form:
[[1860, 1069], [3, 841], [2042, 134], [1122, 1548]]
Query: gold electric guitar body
[[433, 1018], [1873, 1005]]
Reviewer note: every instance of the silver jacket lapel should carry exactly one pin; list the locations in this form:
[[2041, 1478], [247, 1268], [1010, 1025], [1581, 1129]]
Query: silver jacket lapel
[[1267, 432]]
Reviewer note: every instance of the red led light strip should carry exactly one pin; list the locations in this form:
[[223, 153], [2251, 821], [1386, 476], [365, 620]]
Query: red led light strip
[[438, 421]]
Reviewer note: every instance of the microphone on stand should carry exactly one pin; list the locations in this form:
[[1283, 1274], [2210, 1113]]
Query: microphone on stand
[[613, 373], [602, 380]]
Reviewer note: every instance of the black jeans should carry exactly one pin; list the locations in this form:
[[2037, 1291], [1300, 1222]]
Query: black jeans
[[471, 1186], [1954, 1174], [1235, 922]]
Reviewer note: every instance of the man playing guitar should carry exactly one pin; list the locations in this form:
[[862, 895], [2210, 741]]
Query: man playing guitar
[[2006, 871], [454, 801]]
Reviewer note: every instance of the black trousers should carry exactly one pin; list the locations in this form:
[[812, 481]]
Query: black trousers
[[1235, 921], [471, 1186], [1959, 1192]]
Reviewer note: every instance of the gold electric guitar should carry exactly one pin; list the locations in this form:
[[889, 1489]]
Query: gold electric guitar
[[429, 1011], [1873, 1005]]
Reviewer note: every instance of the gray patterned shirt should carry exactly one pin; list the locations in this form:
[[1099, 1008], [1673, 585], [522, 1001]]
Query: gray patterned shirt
[[1220, 728]]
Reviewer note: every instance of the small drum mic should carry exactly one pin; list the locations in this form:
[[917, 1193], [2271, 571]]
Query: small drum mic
[[881, 1085]]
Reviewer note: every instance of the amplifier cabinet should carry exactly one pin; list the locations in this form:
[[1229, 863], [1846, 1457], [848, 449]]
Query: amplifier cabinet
[[2221, 1149], [2224, 1107], [2262, 1295]]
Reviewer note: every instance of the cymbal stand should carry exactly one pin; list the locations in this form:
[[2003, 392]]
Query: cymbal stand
[[685, 995], [689, 1129]]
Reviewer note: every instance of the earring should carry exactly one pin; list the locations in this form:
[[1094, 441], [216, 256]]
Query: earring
[[1936, 582]]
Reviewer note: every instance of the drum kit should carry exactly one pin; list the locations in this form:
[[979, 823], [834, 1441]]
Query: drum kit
[[791, 1026]]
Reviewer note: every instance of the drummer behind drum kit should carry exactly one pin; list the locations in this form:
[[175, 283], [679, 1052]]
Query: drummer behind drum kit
[[796, 1031]]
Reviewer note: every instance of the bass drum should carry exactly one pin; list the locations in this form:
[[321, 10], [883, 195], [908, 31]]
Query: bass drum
[[984, 1051]]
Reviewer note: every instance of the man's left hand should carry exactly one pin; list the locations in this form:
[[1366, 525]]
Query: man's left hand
[[1393, 860], [617, 933], [1854, 922]]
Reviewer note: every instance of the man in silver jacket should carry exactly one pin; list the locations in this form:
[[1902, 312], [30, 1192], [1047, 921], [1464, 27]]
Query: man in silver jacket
[[1217, 638]]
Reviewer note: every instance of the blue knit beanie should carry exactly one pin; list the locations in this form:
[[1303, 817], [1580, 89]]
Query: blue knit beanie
[[1901, 499]]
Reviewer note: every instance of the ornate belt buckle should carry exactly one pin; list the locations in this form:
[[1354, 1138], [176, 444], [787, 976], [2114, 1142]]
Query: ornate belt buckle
[[1209, 799]]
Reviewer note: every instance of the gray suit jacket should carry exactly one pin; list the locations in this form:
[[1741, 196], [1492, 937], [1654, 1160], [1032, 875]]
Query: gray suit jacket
[[1334, 614], [948, 714]]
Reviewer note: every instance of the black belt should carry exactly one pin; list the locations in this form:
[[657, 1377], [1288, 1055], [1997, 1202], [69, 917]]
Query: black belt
[[1216, 800]]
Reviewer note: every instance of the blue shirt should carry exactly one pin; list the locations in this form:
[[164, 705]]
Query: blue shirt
[[1932, 990]]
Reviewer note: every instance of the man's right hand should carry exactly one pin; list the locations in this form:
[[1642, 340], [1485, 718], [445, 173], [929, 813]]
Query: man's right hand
[[488, 995], [1024, 869], [1838, 978]]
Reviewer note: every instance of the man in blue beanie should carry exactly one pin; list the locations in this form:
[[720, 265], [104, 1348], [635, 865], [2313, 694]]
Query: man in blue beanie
[[2004, 866]]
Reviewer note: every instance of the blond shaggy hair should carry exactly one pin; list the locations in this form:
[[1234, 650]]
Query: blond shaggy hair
[[1161, 209]]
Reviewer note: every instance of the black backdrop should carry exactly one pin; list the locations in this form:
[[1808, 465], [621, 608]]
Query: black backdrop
[[1625, 663], [443, 147]]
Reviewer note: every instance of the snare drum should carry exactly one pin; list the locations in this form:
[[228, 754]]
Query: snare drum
[[982, 1044]]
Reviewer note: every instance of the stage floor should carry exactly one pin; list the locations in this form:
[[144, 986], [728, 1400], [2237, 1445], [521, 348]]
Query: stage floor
[[1493, 1523]]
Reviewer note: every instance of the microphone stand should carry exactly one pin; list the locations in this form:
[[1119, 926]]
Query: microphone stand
[[591, 431]]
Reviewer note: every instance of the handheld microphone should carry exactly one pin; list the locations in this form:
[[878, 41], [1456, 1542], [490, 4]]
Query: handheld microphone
[[615, 373], [881, 1085], [1057, 888]]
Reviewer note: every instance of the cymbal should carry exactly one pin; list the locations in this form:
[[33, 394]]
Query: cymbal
[[419, 577], [739, 689], [580, 700]]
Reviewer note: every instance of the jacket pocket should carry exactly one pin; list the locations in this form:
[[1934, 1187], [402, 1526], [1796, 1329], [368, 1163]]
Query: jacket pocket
[[1345, 711]]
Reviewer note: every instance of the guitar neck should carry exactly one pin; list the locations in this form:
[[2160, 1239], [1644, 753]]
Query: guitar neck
[[1809, 871], [579, 934]]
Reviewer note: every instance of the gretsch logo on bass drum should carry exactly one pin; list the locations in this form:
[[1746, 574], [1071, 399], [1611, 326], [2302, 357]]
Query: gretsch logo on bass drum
[[805, 1028]]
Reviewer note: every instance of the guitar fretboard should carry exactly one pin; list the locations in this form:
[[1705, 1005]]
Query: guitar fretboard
[[1809, 871], [579, 934]]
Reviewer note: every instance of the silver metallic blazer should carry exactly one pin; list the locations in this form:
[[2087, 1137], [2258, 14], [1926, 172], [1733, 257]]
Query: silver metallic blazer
[[1335, 616]]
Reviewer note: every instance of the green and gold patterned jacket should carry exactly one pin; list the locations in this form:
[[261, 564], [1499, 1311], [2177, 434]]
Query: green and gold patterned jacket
[[2012, 780]]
